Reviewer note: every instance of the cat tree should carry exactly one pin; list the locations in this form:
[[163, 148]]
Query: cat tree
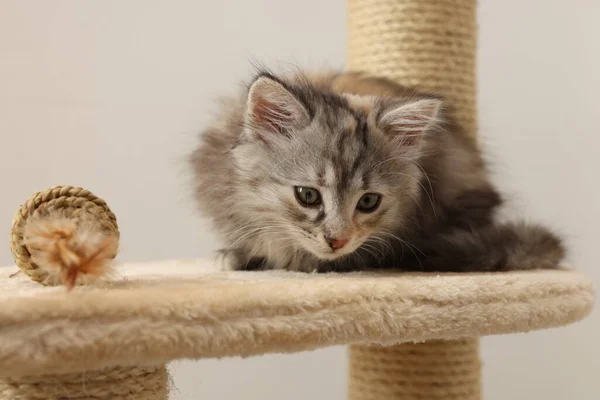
[[411, 336]]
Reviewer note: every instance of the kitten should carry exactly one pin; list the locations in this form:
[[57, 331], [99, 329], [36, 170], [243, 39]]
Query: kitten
[[341, 172]]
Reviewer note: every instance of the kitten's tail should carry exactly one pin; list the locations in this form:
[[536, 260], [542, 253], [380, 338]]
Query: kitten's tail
[[499, 247]]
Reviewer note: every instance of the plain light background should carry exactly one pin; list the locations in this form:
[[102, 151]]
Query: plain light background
[[110, 95]]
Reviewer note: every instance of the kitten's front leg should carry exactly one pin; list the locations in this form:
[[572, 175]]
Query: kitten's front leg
[[254, 264], [238, 260], [360, 260]]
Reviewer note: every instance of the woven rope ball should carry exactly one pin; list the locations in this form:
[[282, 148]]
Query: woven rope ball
[[74, 203]]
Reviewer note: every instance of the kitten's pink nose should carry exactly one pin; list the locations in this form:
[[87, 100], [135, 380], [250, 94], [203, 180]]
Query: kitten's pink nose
[[336, 243]]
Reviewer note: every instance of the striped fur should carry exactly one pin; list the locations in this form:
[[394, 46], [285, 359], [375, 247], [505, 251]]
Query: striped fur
[[348, 134]]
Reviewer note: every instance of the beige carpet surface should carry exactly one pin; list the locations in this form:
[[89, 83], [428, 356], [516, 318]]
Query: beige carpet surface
[[156, 312]]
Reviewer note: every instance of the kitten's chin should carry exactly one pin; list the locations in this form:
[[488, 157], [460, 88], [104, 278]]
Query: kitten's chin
[[323, 252], [328, 256], [332, 255]]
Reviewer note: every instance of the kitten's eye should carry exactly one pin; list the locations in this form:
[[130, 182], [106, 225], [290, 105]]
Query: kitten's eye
[[369, 202], [308, 197]]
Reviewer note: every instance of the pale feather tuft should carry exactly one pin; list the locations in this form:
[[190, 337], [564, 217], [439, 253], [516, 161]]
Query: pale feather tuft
[[71, 251]]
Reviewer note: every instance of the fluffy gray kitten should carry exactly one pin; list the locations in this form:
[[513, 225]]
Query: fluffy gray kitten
[[344, 171]]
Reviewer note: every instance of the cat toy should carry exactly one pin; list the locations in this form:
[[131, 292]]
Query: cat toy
[[65, 235]]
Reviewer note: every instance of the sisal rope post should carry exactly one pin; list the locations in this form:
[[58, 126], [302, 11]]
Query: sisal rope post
[[435, 370], [117, 383], [429, 44], [120, 383]]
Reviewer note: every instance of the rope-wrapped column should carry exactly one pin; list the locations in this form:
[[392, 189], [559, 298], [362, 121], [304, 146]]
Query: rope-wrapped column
[[429, 44], [134, 383], [437, 370]]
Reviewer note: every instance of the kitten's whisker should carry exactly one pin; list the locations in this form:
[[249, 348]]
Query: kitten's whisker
[[401, 240], [371, 253], [416, 202], [249, 225], [248, 233], [256, 231], [424, 173], [361, 257], [378, 254], [241, 230], [420, 184], [385, 243], [411, 247], [430, 193]]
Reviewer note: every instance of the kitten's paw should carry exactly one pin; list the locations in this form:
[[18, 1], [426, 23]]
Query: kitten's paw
[[253, 264], [231, 260], [236, 260], [227, 262]]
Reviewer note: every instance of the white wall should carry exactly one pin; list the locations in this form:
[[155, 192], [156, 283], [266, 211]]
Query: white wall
[[109, 95], [539, 84]]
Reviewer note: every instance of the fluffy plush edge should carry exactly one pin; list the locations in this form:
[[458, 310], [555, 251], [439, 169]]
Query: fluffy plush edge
[[158, 312]]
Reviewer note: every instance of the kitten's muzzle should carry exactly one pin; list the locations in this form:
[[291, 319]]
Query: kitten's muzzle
[[335, 243]]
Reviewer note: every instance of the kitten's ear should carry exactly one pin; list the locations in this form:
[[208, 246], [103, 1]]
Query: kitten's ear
[[409, 121], [272, 109]]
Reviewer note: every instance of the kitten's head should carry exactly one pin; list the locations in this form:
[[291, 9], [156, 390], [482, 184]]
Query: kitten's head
[[324, 172]]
